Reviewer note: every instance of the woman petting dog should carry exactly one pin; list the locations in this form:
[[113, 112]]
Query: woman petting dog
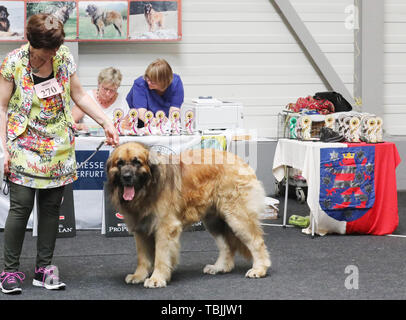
[[158, 89], [37, 82]]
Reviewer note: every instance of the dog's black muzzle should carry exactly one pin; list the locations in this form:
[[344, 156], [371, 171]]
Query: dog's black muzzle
[[127, 176], [127, 179]]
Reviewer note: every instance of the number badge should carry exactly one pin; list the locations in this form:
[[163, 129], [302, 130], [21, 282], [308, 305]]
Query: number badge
[[47, 88]]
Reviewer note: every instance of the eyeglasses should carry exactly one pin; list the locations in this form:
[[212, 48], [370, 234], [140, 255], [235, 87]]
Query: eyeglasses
[[150, 82], [107, 90]]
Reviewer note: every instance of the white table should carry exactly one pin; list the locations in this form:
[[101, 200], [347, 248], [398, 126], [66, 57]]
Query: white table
[[377, 214], [305, 156]]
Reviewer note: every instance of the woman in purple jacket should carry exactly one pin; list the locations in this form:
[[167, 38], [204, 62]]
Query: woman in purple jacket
[[158, 89]]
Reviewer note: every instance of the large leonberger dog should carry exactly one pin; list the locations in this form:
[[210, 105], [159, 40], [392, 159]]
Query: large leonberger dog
[[153, 18], [102, 18], [159, 195]]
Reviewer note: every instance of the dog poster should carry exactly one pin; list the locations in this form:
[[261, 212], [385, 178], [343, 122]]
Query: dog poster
[[63, 10], [97, 20], [103, 20], [11, 20], [154, 20]]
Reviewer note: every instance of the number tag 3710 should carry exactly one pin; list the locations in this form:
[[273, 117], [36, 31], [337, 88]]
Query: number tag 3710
[[47, 88]]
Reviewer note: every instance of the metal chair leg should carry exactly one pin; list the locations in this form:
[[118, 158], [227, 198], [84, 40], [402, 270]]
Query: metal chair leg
[[285, 209]]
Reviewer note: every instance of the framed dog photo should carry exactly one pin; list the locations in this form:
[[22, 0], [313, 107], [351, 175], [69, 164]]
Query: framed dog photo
[[65, 11], [155, 20], [103, 20], [11, 20]]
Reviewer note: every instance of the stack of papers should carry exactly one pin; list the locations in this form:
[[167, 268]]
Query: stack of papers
[[207, 101]]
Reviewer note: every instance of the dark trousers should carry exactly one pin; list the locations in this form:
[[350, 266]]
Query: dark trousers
[[21, 205]]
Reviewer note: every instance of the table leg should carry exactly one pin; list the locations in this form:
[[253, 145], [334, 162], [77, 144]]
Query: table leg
[[312, 220], [285, 208]]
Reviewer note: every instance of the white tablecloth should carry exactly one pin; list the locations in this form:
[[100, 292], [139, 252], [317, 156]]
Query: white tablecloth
[[305, 156]]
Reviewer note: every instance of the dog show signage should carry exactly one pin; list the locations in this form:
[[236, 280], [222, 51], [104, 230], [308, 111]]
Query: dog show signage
[[127, 20], [91, 174], [67, 221], [114, 221]]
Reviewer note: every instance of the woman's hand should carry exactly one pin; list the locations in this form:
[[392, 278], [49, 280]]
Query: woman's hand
[[111, 133], [6, 163]]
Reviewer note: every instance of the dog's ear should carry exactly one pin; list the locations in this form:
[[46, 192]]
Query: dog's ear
[[111, 171], [109, 163], [153, 162]]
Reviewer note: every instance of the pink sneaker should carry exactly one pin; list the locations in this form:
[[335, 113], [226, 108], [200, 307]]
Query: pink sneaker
[[10, 282], [48, 278]]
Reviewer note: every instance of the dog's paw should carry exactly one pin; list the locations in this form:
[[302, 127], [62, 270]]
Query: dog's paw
[[133, 278], [210, 269], [213, 269], [256, 273], [154, 282]]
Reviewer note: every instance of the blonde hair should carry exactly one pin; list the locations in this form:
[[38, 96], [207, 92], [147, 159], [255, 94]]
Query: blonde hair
[[111, 75], [160, 72]]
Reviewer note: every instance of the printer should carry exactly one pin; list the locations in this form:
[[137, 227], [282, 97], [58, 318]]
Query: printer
[[213, 114]]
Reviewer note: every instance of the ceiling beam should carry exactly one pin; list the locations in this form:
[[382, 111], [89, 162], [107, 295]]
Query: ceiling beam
[[312, 49]]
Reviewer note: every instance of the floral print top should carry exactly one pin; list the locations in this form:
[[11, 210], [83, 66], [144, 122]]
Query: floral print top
[[40, 139]]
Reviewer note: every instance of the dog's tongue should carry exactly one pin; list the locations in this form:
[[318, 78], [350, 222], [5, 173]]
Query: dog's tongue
[[128, 193]]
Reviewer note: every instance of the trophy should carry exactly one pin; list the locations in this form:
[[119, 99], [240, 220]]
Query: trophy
[[133, 118], [355, 129], [371, 129], [305, 127], [117, 117], [189, 121], [292, 127], [379, 130], [368, 126], [174, 117], [160, 116], [149, 117]]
